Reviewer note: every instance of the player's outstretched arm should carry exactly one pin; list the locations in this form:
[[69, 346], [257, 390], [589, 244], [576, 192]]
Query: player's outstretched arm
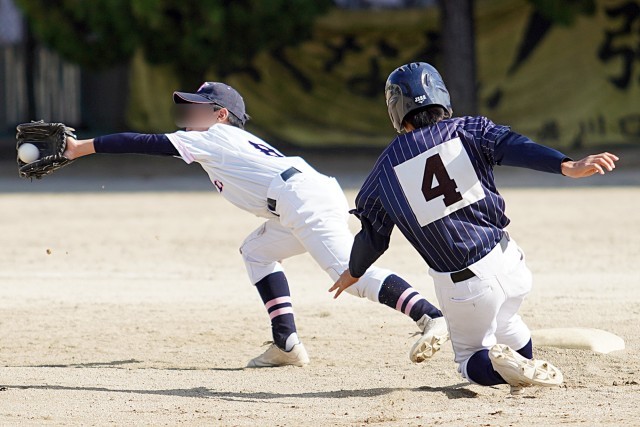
[[121, 143], [590, 165]]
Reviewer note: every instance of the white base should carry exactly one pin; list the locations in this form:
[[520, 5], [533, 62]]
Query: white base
[[579, 338]]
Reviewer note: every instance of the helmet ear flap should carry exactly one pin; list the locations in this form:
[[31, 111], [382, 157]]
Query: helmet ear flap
[[395, 100]]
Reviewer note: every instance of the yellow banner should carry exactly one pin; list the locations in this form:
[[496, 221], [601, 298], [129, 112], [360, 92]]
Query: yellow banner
[[576, 85], [560, 85]]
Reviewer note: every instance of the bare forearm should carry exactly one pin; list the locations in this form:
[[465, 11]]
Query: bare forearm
[[78, 148]]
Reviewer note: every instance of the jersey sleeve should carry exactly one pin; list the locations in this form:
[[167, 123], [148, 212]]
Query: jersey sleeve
[[517, 150], [373, 239], [487, 134], [370, 207], [196, 146], [368, 246], [135, 143]]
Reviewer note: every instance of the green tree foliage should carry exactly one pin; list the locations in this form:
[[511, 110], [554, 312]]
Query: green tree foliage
[[94, 33], [193, 36]]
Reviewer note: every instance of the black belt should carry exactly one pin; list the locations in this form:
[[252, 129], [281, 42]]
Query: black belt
[[466, 274], [271, 203]]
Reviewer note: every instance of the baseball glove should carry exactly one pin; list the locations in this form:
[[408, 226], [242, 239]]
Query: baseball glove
[[51, 141]]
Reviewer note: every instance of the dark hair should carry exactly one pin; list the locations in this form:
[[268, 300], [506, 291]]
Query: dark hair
[[426, 116], [233, 120]]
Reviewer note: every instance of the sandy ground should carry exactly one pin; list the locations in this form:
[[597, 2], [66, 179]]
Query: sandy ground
[[132, 307]]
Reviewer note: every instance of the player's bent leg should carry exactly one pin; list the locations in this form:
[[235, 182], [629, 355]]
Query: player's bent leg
[[260, 251], [470, 308], [514, 333], [265, 247], [517, 282]]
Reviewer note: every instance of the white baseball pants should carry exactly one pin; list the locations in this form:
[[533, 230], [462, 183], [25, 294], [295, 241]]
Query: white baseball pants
[[313, 214], [483, 311]]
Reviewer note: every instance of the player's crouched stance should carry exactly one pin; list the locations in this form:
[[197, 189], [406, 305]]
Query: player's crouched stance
[[435, 182], [305, 212]]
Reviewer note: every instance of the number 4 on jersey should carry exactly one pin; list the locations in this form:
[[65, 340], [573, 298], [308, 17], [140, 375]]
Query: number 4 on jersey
[[444, 186], [439, 181]]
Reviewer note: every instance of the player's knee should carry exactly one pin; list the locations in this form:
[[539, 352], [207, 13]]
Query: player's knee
[[251, 262], [248, 253], [243, 251], [250, 242], [257, 268]]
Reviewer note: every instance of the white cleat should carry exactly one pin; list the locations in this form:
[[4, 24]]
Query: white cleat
[[434, 335], [275, 356], [518, 371]]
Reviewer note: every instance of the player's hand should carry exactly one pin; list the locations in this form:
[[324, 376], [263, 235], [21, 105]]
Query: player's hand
[[78, 148], [344, 281], [590, 165], [71, 150]]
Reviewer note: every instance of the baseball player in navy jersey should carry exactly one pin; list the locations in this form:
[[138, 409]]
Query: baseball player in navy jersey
[[435, 183], [305, 211]]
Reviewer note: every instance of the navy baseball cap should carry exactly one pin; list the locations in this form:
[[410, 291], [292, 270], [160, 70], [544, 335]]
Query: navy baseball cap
[[216, 93]]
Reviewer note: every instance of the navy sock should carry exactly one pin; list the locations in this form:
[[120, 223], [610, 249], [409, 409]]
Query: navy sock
[[527, 350], [398, 294], [480, 370], [275, 294]]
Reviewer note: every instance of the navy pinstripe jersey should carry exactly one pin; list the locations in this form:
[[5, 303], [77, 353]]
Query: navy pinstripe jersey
[[436, 184]]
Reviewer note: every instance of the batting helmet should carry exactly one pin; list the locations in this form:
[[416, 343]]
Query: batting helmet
[[412, 86]]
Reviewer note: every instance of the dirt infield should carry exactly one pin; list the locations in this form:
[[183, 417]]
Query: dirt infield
[[134, 308]]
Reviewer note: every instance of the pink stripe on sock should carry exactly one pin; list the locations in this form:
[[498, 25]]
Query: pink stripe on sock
[[404, 296], [280, 312], [412, 301], [277, 301]]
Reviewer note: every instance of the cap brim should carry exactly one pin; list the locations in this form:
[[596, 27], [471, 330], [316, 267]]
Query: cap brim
[[192, 98]]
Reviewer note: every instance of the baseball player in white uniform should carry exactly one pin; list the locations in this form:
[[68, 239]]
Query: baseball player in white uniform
[[305, 211]]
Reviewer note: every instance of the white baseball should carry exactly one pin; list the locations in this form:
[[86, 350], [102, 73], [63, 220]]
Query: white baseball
[[28, 153]]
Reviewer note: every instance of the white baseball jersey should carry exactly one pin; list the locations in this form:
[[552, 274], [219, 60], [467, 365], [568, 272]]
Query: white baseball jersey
[[239, 164]]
